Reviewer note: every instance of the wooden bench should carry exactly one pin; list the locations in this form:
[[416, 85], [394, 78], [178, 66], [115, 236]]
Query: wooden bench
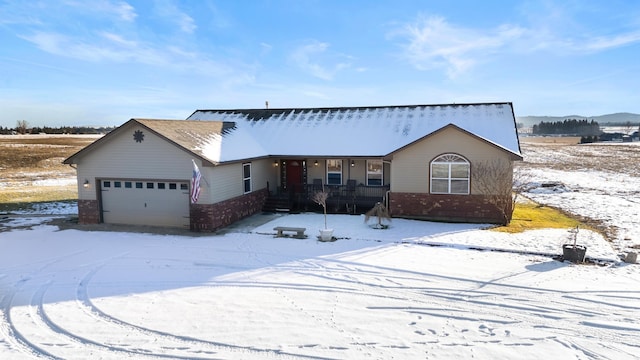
[[299, 231]]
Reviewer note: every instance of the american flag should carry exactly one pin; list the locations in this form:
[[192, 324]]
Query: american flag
[[195, 183]]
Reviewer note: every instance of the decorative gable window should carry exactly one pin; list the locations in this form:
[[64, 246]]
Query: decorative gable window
[[334, 172], [374, 172], [246, 177], [450, 175]]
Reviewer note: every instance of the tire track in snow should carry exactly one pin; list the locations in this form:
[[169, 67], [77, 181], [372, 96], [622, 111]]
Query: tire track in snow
[[73, 342], [8, 328], [183, 344], [499, 307], [11, 333]]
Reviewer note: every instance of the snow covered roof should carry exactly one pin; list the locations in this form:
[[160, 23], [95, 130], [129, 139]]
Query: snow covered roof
[[350, 131], [234, 135]]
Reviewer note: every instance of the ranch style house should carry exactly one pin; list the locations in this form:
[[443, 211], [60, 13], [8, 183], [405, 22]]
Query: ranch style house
[[450, 162]]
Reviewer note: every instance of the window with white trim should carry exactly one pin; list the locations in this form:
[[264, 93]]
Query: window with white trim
[[334, 171], [246, 177], [374, 172], [450, 175]]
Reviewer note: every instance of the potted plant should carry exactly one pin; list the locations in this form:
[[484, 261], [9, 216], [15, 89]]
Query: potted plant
[[573, 252], [381, 213], [320, 198]]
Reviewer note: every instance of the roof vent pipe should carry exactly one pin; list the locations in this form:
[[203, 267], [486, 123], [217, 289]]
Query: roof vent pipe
[[266, 104]]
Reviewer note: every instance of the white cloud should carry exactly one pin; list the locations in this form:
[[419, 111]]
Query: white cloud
[[124, 11], [265, 48], [603, 43], [121, 9], [434, 43], [170, 11], [111, 47], [309, 57]]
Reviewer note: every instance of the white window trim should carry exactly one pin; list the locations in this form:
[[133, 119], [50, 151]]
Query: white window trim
[[334, 172], [381, 171], [450, 159], [245, 179]]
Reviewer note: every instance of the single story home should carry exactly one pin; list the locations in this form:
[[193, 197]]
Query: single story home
[[451, 162]]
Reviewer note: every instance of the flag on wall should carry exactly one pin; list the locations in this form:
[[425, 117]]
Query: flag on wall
[[195, 183]]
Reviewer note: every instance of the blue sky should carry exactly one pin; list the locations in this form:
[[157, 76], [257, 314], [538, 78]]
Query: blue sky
[[102, 62]]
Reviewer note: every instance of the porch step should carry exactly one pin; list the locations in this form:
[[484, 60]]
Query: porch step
[[276, 204]]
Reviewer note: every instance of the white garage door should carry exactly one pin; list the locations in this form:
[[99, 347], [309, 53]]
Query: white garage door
[[145, 202]]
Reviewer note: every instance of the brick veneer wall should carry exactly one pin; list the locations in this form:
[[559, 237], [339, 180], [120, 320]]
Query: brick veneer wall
[[88, 212], [455, 208], [210, 217]]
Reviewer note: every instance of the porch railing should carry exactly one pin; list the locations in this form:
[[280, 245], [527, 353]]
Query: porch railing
[[347, 198]]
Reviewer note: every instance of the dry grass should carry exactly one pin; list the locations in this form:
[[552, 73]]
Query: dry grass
[[530, 216], [28, 158]]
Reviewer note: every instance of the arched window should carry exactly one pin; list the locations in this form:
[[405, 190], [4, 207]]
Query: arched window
[[450, 175]]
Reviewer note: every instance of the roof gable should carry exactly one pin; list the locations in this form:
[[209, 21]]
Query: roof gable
[[514, 156], [200, 138], [233, 135]]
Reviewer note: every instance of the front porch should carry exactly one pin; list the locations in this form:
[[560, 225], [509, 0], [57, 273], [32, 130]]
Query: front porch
[[343, 199]]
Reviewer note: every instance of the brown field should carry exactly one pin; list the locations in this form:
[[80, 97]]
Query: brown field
[[31, 168], [550, 140]]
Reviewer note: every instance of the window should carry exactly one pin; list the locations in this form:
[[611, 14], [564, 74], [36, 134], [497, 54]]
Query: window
[[334, 172], [106, 184], [138, 185], [161, 186], [172, 186], [127, 184], [246, 177], [117, 184], [450, 175], [149, 185], [374, 172], [184, 187]]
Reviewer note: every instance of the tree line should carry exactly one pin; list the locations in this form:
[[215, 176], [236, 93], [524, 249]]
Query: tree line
[[22, 127], [582, 127]]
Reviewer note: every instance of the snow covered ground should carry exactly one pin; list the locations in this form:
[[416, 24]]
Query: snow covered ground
[[416, 290], [597, 181]]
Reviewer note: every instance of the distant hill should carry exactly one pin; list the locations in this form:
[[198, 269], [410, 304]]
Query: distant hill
[[609, 119]]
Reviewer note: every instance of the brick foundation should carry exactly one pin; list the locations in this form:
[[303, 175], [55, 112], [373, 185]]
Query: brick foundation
[[88, 212], [215, 216], [451, 208]]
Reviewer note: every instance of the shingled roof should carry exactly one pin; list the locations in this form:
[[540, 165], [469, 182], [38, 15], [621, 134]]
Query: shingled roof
[[355, 131], [233, 135], [197, 137]]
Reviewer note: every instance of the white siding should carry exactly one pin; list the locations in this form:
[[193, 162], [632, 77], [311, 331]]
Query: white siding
[[263, 171], [226, 182], [123, 158]]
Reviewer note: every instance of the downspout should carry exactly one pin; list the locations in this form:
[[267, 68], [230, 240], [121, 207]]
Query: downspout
[[386, 195], [386, 199]]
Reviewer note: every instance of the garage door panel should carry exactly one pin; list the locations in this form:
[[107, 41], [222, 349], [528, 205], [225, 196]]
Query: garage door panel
[[144, 203]]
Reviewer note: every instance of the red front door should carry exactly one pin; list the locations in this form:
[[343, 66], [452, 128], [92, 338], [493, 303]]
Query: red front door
[[294, 175]]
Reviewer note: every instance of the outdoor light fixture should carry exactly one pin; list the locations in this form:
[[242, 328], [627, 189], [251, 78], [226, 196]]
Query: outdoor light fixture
[[86, 183], [315, 163], [353, 163], [275, 162]]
